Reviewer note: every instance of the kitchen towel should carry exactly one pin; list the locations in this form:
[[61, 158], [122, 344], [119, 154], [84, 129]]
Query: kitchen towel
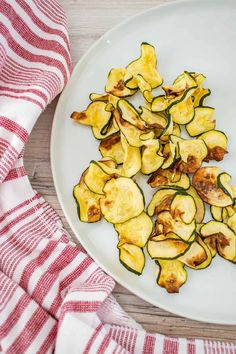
[[53, 297]]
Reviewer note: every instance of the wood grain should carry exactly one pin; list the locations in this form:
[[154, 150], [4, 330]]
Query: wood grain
[[87, 21]]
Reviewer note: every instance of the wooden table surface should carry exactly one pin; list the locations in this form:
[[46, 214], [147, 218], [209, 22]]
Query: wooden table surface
[[87, 21]]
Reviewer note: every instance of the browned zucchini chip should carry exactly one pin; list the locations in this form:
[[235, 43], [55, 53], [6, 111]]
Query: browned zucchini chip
[[95, 115], [130, 114], [112, 147], [169, 177], [198, 256], [115, 83], [171, 275], [164, 247], [153, 120], [192, 153], [199, 204], [183, 207], [216, 142], [161, 201], [132, 257]]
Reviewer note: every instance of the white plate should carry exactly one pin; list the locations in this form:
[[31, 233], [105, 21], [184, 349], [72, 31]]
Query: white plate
[[189, 35]]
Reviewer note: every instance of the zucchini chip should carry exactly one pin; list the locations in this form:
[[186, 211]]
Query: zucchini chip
[[169, 152], [199, 204], [192, 153], [145, 88], [162, 247], [182, 112], [205, 181], [201, 121], [130, 115], [232, 222], [216, 142], [183, 207], [217, 212], [95, 115], [135, 231], [87, 202], [132, 258], [160, 103], [152, 158], [199, 96], [112, 147], [123, 200], [171, 275], [169, 224], [168, 130], [132, 159], [153, 120], [98, 97], [145, 65], [169, 177], [115, 83], [198, 256], [161, 201], [211, 244], [224, 237]]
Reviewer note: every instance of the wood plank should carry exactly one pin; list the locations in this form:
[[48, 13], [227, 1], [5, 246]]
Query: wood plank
[[88, 20]]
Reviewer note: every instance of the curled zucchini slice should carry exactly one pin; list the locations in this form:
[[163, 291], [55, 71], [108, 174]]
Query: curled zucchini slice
[[201, 122], [152, 159], [145, 88], [160, 103], [166, 248], [132, 258], [183, 207], [216, 142], [200, 213], [206, 184], [115, 83], [153, 120], [177, 226], [171, 275], [130, 115], [145, 65], [87, 202], [192, 153], [223, 180], [169, 177], [232, 222], [211, 244], [199, 96], [135, 231], [224, 237], [216, 212], [161, 201], [112, 147], [98, 97], [123, 200], [169, 152], [132, 158], [198, 256], [182, 112], [95, 115]]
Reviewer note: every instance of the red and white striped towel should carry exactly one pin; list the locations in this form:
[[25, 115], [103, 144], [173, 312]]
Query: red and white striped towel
[[52, 295]]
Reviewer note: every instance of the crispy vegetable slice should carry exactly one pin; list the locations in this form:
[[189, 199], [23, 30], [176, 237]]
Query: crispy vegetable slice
[[168, 177], [151, 156], [123, 200], [172, 275], [182, 112], [216, 212], [201, 122], [169, 152], [192, 153], [145, 65], [87, 202], [216, 142], [153, 120], [161, 200], [130, 114], [132, 258], [112, 147], [132, 158], [135, 231], [198, 256], [166, 248], [183, 207], [206, 184], [170, 224], [95, 115], [145, 88], [160, 103], [199, 96], [225, 238], [98, 97], [223, 180], [211, 244], [115, 83], [232, 222], [199, 204]]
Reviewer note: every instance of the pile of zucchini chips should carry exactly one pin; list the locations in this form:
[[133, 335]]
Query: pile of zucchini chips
[[148, 140]]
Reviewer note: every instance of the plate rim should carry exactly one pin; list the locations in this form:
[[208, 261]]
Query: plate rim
[[76, 236]]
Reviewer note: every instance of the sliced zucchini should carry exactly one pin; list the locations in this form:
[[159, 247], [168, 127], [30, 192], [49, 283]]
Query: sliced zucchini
[[161, 200], [176, 130], [112, 147], [211, 244], [168, 130], [152, 159], [113, 100], [95, 115], [160, 103], [167, 248], [115, 83], [232, 222], [198, 256], [183, 207], [183, 112], [145, 88], [87, 202], [107, 130], [132, 159], [199, 204], [169, 152], [184, 231], [130, 114], [153, 120], [225, 238], [216, 212], [223, 180], [168, 177], [123, 200], [171, 275], [216, 142], [206, 184], [199, 96], [145, 65], [98, 97], [192, 153], [135, 231], [201, 122], [132, 258]]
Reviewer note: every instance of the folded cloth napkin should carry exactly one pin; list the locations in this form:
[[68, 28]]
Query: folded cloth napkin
[[53, 297]]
